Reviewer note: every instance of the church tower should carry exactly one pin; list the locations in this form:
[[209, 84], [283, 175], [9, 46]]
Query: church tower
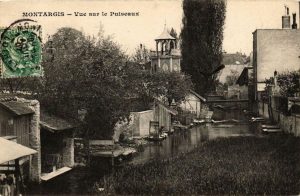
[[167, 56]]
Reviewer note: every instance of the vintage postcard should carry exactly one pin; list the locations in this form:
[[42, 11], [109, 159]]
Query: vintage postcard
[[151, 97]]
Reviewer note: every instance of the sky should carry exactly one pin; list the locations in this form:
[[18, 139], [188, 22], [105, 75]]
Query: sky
[[242, 18]]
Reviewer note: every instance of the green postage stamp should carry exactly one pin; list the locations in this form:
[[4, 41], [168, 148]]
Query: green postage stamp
[[21, 49]]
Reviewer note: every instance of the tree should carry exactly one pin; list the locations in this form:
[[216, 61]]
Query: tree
[[232, 77], [146, 85], [84, 72], [289, 83], [173, 33], [141, 55], [94, 74], [201, 45]]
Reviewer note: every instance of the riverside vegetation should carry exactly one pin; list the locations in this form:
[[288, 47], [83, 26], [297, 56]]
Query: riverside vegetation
[[239, 165]]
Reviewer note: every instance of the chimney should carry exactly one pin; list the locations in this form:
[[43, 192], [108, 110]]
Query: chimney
[[286, 19], [294, 25]]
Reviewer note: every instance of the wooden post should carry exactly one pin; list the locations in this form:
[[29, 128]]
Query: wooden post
[[17, 173], [157, 48], [88, 149], [112, 161]]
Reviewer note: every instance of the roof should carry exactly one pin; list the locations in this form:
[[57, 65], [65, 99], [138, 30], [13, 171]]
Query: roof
[[165, 35], [234, 59], [197, 95], [16, 107], [295, 100], [54, 123], [11, 150], [170, 110], [230, 70]]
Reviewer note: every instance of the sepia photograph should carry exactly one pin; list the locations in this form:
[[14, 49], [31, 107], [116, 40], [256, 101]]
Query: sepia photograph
[[150, 97]]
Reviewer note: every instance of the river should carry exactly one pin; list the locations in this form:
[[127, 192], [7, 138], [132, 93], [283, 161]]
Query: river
[[81, 180]]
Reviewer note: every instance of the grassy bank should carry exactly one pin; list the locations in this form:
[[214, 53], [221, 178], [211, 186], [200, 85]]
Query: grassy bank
[[240, 165]]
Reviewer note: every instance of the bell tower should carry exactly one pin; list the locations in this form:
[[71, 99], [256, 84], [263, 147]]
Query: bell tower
[[167, 56]]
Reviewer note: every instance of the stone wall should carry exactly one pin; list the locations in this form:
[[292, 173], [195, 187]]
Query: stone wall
[[34, 140], [288, 124], [68, 152]]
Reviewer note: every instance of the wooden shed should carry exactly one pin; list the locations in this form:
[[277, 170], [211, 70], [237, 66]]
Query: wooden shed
[[15, 118]]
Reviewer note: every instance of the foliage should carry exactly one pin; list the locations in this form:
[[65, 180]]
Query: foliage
[[173, 33], [239, 165], [141, 55], [202, 36], [90, 73], [146, 85], [232, 77], [84, 72], [289, 83]]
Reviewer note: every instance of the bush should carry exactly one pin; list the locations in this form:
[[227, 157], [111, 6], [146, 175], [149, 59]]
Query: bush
[[289, 83], [241, 165]]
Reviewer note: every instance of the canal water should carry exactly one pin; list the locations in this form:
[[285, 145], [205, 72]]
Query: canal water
[[81, 180]]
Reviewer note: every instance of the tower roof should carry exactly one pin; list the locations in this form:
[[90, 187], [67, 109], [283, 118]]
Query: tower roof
[[165, 35]]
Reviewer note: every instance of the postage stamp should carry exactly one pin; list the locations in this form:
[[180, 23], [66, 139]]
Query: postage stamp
[[21, 49]]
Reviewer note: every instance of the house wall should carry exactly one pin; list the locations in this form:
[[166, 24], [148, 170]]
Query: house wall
[[15, 126], [192, 104], [138, 124], [274, 49], [144, 122], [163, 116]]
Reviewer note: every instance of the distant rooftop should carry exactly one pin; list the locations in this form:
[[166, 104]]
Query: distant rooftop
[[234, 58]]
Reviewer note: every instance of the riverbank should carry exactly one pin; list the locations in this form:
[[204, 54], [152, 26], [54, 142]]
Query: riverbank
[[238, 165]]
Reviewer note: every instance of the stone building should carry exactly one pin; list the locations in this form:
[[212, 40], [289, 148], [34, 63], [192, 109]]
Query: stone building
[[20, 120], [275, 50], [57, 145], [167, 55]]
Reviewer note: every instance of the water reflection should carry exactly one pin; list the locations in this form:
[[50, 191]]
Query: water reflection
[[185, 141]]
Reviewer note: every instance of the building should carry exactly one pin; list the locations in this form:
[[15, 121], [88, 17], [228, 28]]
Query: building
[[234, 64], [193, 103], [141, 122], [21, 121], [163, 115], [57, 145], [167, 55], [245, 83], [274, 50]]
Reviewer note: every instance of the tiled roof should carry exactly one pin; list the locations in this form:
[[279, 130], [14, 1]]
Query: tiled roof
[[234, 59], [16, 107], [54, 123], [229, 70]]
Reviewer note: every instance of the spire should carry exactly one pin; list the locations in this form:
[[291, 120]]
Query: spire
[[165, 35]]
